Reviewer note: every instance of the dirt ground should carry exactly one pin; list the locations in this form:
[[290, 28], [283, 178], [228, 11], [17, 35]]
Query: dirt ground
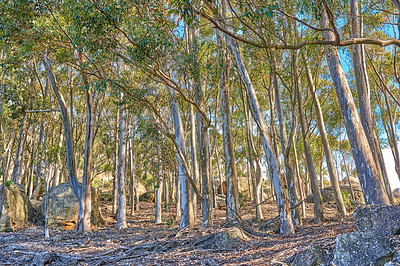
[[144, 243]]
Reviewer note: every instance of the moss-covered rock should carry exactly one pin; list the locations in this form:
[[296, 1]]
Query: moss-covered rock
[[63, 207], [17, 210]]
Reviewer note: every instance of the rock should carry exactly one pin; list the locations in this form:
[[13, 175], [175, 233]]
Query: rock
[[16, 210], [140, 188], [49, 258], [396, 257], [358, 248], [209, 262], [396, 193], [229, 239], [221, 201], [378, 219], [390, 263], [328, 194], [148, 196], [353, 180], [63, 207], [314, 255]]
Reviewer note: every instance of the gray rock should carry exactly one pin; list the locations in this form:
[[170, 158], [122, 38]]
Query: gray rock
[[313, 256], [328, 194], [396, 257], [396, 193], [148, 196], [16, 210], [41, 259], [378, 219], [63, 207], [229, 239], [357, 248]]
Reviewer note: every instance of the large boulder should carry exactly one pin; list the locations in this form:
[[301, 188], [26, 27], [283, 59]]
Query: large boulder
[[63, 207], [358, 248], [314, 255], [353, 181], [378, 219], [229, 239], [328, 194], [148, 196], [17, 210]]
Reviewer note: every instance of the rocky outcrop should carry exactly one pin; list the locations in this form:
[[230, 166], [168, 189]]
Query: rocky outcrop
[[229, 239], [17, 210], [357, 248], [329, 196], [378, 219], [369, 244], [148, 196], [63, 207]]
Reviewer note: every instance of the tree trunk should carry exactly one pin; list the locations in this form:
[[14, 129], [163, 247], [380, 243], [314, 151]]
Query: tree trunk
[[115, 156], [364, 99], [36, 191], [318, 204], [71, 161], [290, 178], [132, 156], [20, 151], [85, 201], [121, 219], [194, 157], [324, 138], [159, 191], [372, 185], [286, 225], [186, 205]]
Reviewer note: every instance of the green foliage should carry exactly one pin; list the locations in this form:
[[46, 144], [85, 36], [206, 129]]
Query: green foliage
[[346, 198]]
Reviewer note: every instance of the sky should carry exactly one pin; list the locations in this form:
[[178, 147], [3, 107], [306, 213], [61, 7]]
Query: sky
[[389, 162]]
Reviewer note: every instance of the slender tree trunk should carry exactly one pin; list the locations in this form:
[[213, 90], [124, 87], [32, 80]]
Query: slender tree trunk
[[36, 191], [186, 205], [372, 185], [121, 219], [2, 88], [292, 192], [318, 204], [46, 193], [324, 138], [115, 156], [85, 201], [194, 157], [178, 194], [363, 92], [67, 128], [159, 191], [20, 151], [256, 176], [132, 156], [287, 226]]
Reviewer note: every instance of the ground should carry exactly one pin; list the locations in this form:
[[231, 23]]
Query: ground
[[144, 243]]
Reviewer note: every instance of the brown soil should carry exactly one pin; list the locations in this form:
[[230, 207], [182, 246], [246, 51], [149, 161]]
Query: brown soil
[[144, 243]]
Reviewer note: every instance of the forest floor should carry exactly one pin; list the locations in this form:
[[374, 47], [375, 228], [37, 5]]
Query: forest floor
[[144, 243]]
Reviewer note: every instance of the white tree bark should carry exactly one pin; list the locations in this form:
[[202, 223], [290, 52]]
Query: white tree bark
[[373, 189], [364, 98], [121, 220], [287, 226], [186, 206]]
